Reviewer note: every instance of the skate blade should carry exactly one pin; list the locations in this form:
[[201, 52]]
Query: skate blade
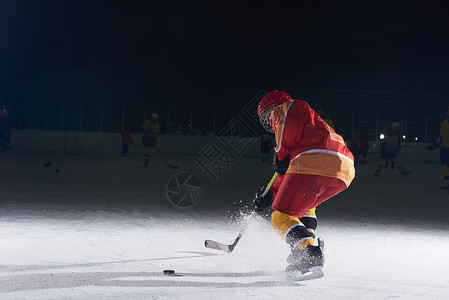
[[312, 273]]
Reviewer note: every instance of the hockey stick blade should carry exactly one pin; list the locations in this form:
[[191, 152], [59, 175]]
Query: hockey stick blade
[[25, 156], [223, 247], [229, 248], [218, 246]]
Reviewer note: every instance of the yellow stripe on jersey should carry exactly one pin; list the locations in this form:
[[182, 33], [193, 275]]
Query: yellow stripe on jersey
[[322, 162], [151, 128]]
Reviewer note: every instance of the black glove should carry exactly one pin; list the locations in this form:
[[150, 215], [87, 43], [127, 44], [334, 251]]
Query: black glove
[[281, 166], [435, 144], [262, 202]]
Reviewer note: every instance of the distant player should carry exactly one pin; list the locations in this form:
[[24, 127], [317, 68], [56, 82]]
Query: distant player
[[151, 131], [5, 129], [314, 165], [126, 140], [359, 148], [444, 150], [389, 151], [443, 141]]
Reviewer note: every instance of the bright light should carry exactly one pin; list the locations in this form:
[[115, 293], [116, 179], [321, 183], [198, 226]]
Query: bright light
[[382, 136], [416, 138], [404, 137]]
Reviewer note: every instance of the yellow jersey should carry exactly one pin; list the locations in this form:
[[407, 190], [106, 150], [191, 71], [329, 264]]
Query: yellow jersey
[[444, 133], [151, 128]]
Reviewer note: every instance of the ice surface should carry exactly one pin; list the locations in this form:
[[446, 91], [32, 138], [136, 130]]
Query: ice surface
[[102, 228]]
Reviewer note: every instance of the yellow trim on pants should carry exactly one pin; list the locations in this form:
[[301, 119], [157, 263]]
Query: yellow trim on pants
[[282, 223], [311, 212], [148, 150]]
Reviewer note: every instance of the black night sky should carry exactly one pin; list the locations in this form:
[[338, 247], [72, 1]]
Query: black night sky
[[198, 53]]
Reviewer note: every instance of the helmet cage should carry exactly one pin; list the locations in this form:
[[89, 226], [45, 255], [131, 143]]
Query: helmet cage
[[264, 118]]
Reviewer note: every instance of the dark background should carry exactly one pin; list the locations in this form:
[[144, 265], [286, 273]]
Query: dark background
[[178, 58]]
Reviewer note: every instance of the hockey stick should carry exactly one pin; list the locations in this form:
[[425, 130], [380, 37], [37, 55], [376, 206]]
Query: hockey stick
[[48, 163], [229, 248], [163, 157]]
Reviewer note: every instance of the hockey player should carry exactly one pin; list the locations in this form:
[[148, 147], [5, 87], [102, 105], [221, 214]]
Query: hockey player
[[126, 140], [444, 150], [151, 131], [443, 141], [359, 148], [389, 150], [313, 164], [5, 129]]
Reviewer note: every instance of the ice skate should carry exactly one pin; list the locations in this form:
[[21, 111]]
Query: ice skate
[[405, 173], [306, 264], [445, 188]]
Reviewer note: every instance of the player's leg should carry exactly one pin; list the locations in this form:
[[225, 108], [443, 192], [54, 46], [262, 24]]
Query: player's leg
[[444, 161], [364, 153], [446, 178], [310, 221], [397, 162], [304, 257], [382, 164], [147, 156], [295, 198], [299, 193], [147, 150], [125, 147], [356, 153], [292, 230]]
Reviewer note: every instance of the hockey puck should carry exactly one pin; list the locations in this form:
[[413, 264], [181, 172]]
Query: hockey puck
[[168, 272], [57, 170]]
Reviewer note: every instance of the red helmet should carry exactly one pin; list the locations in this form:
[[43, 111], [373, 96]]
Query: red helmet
[[266, 105], [272, 99]]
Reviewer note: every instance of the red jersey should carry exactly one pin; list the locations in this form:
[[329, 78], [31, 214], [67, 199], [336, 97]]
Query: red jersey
[[391, 141], [126, 136], [360, 143], [314, 147]]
